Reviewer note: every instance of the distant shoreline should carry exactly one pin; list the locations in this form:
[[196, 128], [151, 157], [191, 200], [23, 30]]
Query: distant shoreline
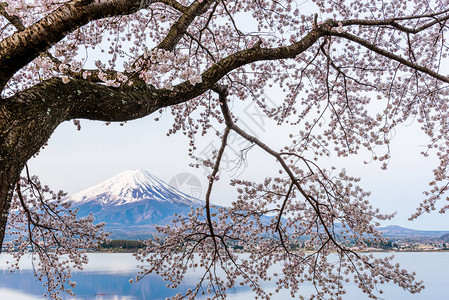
[[243, 252]]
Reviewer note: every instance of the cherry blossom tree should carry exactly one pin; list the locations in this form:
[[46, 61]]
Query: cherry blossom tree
[[348, 72]]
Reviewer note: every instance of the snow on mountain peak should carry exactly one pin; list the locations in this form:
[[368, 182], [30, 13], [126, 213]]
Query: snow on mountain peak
[[132, 186]]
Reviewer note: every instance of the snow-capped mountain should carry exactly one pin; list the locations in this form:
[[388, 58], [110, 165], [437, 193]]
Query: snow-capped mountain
[[132, 201], [132, 186]]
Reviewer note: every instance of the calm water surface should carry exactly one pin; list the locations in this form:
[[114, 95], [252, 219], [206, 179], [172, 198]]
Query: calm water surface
[[107, 277]]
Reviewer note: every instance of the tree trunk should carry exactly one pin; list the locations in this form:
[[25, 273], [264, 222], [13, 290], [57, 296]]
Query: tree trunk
[[9, 174], [24, 128]]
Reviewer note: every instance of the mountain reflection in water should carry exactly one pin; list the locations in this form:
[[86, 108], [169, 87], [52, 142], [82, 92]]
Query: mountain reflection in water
[[107, 275]]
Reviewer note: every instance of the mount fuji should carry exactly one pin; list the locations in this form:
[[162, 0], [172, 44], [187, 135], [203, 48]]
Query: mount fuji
[[132, 203]]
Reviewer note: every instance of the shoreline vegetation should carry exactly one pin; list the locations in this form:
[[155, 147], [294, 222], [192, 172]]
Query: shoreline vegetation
[[121, 246], [129, 246]]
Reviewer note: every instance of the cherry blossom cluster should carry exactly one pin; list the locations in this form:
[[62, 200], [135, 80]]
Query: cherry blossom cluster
[[326, 215], [163, 69], [324, 257], [43, 225]]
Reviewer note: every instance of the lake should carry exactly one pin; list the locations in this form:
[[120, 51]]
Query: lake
[[107, 277]]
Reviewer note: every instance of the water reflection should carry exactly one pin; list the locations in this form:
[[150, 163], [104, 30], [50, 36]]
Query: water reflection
[[107, 277], [92, 285]]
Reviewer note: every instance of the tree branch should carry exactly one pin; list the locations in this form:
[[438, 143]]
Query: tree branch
[[96, 101], [14, 20], [212, 178], [393, 22], [174, 4], [24, 46], [390, 55], [310, 199], [287, 196], [28, 212], [178, 29]]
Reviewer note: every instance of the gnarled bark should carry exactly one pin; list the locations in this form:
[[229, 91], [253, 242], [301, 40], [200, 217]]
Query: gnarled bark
[[8, 175], [24, 129]]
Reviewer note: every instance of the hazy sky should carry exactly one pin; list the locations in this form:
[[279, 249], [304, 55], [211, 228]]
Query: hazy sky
[[75, 160]]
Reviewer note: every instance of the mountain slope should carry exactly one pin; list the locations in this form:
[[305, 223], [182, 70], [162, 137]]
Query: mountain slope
[[132, 186], [398, 232], [133, 198]]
